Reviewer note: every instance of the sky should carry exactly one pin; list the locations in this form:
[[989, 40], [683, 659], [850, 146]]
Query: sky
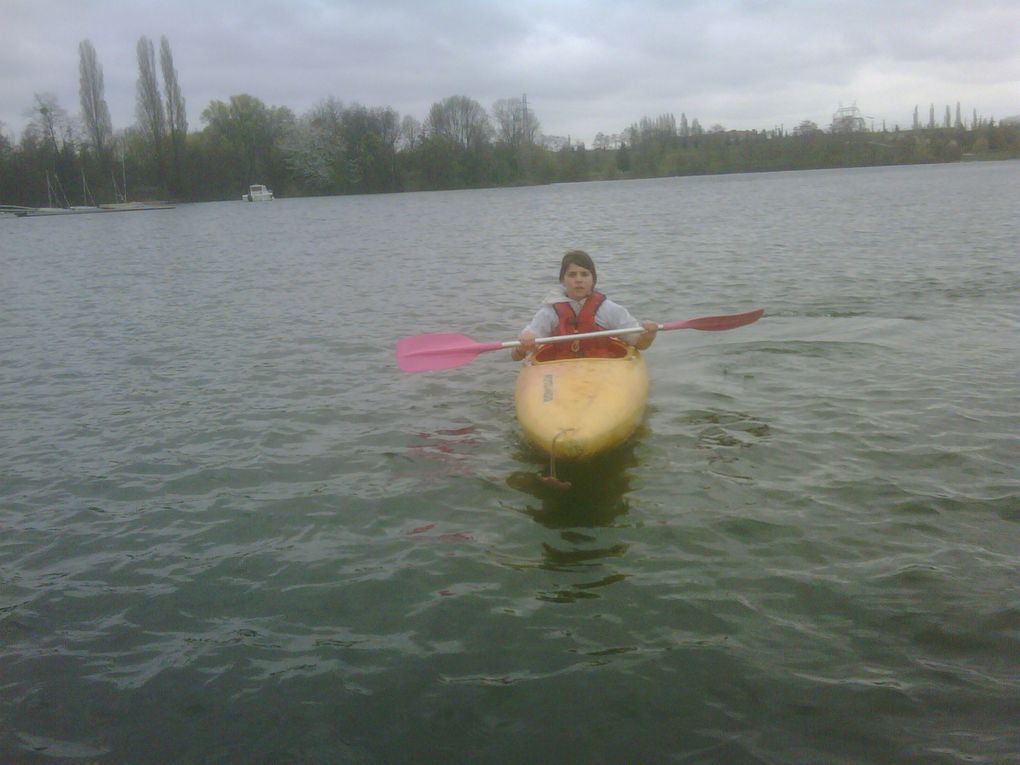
[[586, 67]]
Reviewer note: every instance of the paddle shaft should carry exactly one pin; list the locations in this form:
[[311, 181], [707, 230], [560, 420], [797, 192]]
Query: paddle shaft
[[432, 352], [578, 336], [705, 323]]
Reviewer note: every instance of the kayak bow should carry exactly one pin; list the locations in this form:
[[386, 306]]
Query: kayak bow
[[575, 409]]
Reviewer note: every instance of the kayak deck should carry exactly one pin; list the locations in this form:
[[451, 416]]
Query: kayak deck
[[574, 409]]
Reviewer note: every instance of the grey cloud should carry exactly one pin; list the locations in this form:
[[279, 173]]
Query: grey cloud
[[586, 66]]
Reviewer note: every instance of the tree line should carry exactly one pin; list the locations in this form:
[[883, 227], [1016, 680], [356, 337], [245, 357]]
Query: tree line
[[339, 148]]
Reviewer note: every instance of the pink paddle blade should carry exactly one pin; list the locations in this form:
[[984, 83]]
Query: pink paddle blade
[[442, 350], [717, 323]]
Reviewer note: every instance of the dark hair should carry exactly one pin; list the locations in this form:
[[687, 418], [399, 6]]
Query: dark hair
[[578, 258]]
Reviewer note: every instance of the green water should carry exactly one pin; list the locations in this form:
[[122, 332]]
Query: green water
[[232, 531]]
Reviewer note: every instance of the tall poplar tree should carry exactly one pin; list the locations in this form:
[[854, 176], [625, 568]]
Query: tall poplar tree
[[149, 106], [176, 115], [94, 111]]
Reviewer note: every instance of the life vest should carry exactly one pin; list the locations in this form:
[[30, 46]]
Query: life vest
[[572, 323]]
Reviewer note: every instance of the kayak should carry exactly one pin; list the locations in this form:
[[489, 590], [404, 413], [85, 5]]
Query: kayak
[[575, 409]]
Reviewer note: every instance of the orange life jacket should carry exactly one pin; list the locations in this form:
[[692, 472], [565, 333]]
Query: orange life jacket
[[574, 324]]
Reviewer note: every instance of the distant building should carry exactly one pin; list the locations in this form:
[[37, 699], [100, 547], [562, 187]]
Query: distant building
[[847, 119]]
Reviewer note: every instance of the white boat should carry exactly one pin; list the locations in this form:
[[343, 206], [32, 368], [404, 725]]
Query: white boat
[[258, 193]]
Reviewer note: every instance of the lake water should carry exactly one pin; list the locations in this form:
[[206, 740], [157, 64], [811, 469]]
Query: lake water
[[232, 531]]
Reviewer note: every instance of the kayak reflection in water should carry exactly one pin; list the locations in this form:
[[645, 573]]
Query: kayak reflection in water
[[598, 493], [574, 307]]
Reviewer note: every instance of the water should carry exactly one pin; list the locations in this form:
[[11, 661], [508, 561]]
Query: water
[[233, 532]]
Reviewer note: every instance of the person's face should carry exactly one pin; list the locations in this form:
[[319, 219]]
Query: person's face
[[577, 282]]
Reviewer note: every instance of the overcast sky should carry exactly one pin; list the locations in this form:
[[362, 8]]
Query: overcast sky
[[586, 67]]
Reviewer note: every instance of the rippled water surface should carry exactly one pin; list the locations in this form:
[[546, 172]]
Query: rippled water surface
[[232, 531]]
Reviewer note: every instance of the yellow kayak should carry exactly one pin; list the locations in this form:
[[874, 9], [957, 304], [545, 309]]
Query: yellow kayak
[[574, 409]]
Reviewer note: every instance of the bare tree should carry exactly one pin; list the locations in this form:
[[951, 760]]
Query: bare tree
[[48, 124], [149, 105], [410, 133], [460, 119], [50, 135], [516, 124], [94, 111]]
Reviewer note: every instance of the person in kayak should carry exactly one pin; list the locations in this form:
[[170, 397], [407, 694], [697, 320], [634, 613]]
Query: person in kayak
[[574, 307]]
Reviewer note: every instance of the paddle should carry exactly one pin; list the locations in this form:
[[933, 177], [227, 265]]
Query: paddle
[[445, 350]]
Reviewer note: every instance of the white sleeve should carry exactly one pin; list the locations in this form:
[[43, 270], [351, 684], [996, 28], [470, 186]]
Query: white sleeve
[[614, 316], [544, 323]]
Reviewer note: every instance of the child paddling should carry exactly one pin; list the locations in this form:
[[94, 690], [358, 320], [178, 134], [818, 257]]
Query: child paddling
[[574, 307]]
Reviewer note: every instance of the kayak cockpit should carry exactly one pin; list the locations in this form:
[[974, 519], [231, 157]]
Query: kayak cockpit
[[615, 349]]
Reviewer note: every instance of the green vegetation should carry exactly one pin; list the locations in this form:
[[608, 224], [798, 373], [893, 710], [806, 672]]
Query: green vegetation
[[655, 152], [339, 148]]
